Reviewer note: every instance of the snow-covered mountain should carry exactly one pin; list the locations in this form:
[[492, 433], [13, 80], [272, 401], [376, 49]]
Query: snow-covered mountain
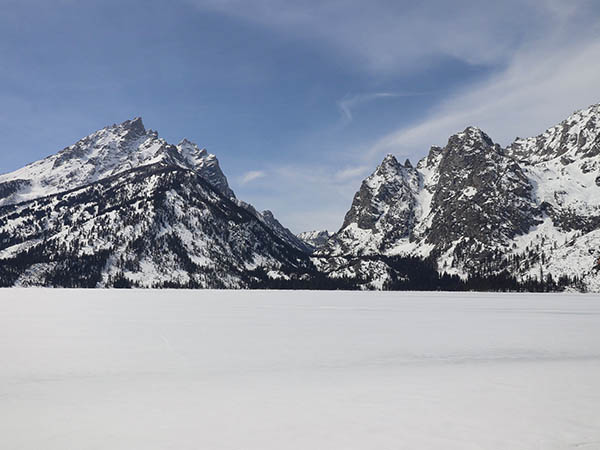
[[155, 225], [474, 207], [122, 206], [107, 152], [315, 239]]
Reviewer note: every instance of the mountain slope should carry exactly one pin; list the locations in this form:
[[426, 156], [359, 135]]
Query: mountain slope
[[155, 225], [315, 239], [284, 233]]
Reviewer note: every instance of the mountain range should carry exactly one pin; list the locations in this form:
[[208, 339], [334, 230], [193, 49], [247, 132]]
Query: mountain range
[[531, 209], [122, 207]]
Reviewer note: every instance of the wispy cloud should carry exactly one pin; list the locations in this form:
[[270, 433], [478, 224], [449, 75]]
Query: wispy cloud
[[251, 176], [352, 172], [404, 35], [350, 102]]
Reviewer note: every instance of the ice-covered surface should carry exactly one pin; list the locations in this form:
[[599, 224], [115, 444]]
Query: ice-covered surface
[[271, 370]]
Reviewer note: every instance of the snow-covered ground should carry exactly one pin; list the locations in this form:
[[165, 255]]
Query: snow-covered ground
[[141, 370]]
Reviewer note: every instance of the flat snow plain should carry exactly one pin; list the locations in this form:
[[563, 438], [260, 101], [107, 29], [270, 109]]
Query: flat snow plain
[[241, 370]]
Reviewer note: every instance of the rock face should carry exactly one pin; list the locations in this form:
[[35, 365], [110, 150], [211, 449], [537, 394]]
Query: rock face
[[206, 164], [481, 199], [383, 211], [123, 207], [531, 209]]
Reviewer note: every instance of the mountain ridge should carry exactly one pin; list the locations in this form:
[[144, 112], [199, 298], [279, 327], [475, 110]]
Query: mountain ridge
[[475, 207], [468, 215], [106, 152]]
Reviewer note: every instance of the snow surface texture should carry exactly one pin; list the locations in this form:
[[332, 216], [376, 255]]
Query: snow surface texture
[[122, 370]]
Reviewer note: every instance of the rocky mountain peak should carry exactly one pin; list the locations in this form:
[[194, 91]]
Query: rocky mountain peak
[[130, 129], [388, 169], [389, 160], [391, 164], [432, 158], [472, 138], [106, 152], [136, 125], [574, 138], [268, 215], [461, 150], [186, 146], [382, 211]]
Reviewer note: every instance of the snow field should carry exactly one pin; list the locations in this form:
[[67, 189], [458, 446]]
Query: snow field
[[298, 370]]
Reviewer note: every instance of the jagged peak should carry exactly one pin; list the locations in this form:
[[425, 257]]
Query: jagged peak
[[389, 159], [588, 117], [434, 152], [389, 162], [582, 116], [388, 167], [188, 145], [473, 134], [473, 129], [110, 150], [136, 124], [590, 110], [578, 134], [268, 214]]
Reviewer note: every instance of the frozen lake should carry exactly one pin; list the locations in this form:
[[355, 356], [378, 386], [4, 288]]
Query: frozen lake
[[209, 370]]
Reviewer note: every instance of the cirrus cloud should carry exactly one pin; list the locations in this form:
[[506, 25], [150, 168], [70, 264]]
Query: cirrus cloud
[[251, 175]]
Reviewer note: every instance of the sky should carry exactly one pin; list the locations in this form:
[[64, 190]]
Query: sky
[[300, 100]]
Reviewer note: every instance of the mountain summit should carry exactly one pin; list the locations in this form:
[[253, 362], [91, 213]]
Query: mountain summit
[[107, 152]]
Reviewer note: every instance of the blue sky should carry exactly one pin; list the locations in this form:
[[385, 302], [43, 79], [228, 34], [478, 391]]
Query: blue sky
[[299, 100]]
